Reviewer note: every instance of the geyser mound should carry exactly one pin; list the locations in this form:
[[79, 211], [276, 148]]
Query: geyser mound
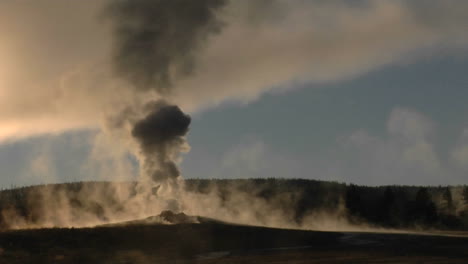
[[166, 217]]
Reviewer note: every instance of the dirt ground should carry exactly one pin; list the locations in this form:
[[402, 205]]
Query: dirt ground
[[222, 244]]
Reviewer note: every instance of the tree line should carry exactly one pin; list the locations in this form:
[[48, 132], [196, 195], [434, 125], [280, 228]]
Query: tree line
[[441, 207]]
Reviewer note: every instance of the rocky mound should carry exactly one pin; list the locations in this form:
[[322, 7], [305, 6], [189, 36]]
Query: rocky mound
[[170, 217], [164, 218]]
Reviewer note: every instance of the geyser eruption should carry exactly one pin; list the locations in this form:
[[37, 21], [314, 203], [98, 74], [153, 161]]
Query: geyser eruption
[[161, 138], [156, 43]]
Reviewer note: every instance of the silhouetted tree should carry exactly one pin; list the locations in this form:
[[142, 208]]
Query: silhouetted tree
[[386, 210], [353, 200], [425, 210], [447, 195], [465, 194]]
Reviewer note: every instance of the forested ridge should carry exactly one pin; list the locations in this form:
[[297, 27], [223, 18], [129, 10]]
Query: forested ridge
[[441, 207]]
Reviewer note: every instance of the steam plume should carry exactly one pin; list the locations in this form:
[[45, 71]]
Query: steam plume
[[161, 135], [156, 41]]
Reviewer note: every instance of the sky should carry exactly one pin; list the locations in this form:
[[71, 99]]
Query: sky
[[365, 92]]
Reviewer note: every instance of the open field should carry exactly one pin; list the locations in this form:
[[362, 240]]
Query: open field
[[214, 242]]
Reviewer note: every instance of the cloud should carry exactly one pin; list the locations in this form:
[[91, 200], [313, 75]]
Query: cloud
[[49, 58], [412, 131], [43, 167], [252, 157], [459, 154], [247, 159], [57, 76], [409, 124], [405, 153], [314, 41]]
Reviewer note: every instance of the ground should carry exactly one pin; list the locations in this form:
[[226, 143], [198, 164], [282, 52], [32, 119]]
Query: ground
[[216, 242]]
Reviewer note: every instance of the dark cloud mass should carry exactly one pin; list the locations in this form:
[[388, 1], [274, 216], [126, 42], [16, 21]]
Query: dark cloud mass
[[156, 40], [165, 123], [156, 43], [160, 135]]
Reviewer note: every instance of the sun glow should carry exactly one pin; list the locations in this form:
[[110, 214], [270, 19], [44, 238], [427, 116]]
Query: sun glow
[[8, 68], [3, 72]]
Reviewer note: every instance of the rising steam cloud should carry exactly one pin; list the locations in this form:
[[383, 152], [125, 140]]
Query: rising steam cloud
[[155, 44], [161, 136], [156, 41]]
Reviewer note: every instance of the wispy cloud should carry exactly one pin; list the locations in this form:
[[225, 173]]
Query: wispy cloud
[[56, 75]]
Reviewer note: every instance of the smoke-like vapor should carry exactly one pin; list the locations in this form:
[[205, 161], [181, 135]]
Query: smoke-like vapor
[[161, 136], [156, 41]]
